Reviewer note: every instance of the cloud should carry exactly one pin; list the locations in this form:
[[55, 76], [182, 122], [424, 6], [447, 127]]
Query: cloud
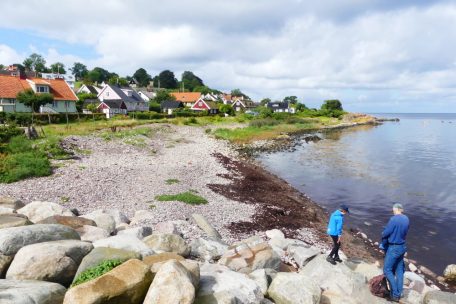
[[8, 55], [367, 53]]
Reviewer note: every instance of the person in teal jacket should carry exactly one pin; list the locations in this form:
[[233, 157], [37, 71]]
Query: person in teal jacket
[[335, 228]]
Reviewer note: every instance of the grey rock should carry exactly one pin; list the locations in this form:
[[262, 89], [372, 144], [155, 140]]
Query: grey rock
[[171, 284], [100, 254], [13, 239], [206, 226], [450, 273], [302, 254], [30, 292], [260, 277], [37, 211], [219, 284], [118, 216], [293, 288], [92, 233], [207, 250], [169, 227], [11, 203], [7, 221], [125, 243], [137, 232], [439, 297], [275, 233], [55, 261], [412, 297], [167, 243], [103, 220], [5, 210]]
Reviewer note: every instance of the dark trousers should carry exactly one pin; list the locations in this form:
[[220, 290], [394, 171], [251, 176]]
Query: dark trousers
[[336, 245]]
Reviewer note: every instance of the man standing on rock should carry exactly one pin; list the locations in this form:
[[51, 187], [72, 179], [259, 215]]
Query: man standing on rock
[[394, 236], [335, 228]]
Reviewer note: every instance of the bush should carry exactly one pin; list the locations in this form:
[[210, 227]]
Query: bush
[[95, 272], [332, 105], [15, 167], [146, 115], [258, 123], [25, 119], [6, 133]]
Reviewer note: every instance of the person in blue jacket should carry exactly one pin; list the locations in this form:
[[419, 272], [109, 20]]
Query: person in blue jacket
[[335, 228], [393, 241]]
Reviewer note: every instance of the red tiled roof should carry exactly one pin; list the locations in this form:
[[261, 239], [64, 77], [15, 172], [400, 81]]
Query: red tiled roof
[[187, 97], [11, 85]]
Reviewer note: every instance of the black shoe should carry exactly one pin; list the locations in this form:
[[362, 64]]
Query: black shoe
[[331, 260], [393, 299], [337, 259]]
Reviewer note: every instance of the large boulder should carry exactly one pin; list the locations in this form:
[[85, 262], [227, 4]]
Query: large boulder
[[167, 243], [155, 261], [70, 221], [7, 211], [450, 273], [142, 216], [13, 239], [261, 278], [207, 250], [302, 253], [92, 233], [100, 254], [171, 284], [55, 261], [11, 203], [293, 288], [219, 284], [126, 243], [415, 281], [137, 232], [37, 211], [10, 220], [439, 297], [412, 297], [338, 281], [250, 255], [118, 216], [127, 283], [103, 220], [28, 292], [206, 226], [366, 269]]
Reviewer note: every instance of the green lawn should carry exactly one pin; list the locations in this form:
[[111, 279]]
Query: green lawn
[[185, 197]]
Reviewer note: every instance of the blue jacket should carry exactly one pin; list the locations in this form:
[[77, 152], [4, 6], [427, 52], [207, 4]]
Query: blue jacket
[[336, 223], [396, 230]]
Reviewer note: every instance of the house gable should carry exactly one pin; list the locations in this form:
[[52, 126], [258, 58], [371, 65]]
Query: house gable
[[108, 93], [200, 105]]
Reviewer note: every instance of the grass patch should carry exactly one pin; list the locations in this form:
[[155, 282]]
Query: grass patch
[[185, 197], [172, 181], [124, 134], [95, 272], [23, 160]]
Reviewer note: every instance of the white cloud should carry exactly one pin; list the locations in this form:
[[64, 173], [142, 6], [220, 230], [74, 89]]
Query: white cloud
[[364, 52], [8, 55]]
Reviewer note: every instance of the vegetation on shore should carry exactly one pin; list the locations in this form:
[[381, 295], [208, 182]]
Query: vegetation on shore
[[186, 197], [95, 272]]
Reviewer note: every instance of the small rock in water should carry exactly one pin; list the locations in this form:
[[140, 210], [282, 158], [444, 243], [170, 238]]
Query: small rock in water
[[367, 224], [363, 235]]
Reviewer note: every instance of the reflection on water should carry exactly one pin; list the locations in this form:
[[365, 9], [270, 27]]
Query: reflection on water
[[369, 168]]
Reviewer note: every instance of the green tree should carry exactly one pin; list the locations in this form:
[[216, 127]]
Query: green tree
[[291, 100], [34, 100], [142, 77], [35, 62], [2, 66], [227, 109], [332, 105], [203, 89], [58, 67], [166, 80], [82, 98], [123, 82], [79, 70], [300, 107], [99, 75], [162, 95], [190, 81], [265, 101], [238, 93]]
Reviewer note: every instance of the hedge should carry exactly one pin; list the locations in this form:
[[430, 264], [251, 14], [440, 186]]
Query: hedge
[[25, 119]]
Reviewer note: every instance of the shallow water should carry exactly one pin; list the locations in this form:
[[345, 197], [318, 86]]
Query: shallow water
[[368, 168]]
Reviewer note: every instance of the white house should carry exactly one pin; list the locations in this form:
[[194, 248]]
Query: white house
[[131, 99], [68, 78], [89, 89]]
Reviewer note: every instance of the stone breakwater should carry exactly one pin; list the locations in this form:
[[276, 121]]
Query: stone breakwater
[[44, 247]]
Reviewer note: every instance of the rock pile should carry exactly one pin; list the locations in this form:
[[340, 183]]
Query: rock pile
[[45, 247]]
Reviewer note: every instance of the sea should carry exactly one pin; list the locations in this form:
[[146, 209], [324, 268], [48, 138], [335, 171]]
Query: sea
[[368, 168]]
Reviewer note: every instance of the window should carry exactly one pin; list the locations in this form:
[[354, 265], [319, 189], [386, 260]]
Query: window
[[67, 104], [42, 89], [54, 104], [107, 93], [200, 104]]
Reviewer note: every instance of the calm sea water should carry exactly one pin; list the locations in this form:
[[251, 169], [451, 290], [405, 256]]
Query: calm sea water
[[412, 162]]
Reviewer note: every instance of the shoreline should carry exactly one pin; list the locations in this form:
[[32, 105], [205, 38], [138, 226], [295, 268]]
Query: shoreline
[[243, 196]]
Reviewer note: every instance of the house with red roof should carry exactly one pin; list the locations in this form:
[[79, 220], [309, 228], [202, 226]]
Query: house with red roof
[[187, 98], [10, 86]]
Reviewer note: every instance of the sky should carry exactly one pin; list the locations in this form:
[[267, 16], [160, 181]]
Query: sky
[[373, 55]]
